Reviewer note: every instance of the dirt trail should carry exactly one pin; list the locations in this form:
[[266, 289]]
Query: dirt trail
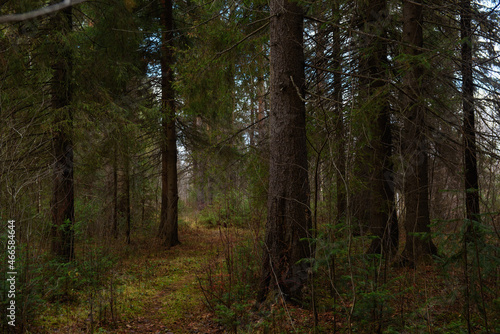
[[149, 289], [176, 305]]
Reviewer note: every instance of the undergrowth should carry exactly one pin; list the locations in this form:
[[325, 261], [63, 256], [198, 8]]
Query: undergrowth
[[229, 279], [108, 286], [354, 292]]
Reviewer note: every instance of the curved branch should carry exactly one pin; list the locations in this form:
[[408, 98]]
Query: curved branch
[[39, 12]]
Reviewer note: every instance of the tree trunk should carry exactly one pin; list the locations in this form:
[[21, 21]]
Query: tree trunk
[[126, 190], [262, 126], [62, 206], [168, 231], [289, 219], [378, 196], [340, 157], [114, 228], [251, 130], [419, 245], [469, 136], [199, 171]]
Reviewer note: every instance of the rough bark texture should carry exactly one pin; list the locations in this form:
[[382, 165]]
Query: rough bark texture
[[62, 205], [377, 199], [416, 181], [289, 218], [469, 136], [168, 231]]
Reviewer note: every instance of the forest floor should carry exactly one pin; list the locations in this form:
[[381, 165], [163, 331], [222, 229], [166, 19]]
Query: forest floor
[[173, 302], [155, 290]]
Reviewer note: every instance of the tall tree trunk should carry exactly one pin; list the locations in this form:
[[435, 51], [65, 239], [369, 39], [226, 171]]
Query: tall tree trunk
[[123, 209], [289, 219], [262, 126], [62, 206], [168, 231], [419, 245], [251, 130], [473, 213], [379, 168], [199, 168], [126, 199], [340, 157], [114, 228], [469, 136]]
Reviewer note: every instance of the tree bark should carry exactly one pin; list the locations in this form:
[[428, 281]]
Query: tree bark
[[262, 126], [469, 131], [126, 190], [62, 205], [419, 245], [289, 219], [379, 208], [340, 158], [114, 227], [168, 231]]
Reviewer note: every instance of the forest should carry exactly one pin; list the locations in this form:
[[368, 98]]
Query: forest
[[266, 166]]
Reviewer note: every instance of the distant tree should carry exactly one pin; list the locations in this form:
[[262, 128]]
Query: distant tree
[[288, 221], [378, 201], [113, 104], [114, 223], [62, 205], [340, 133]]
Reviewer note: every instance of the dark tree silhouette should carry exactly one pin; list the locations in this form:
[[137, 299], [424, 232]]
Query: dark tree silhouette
[[62, 205], [416, 181], [168, 231]]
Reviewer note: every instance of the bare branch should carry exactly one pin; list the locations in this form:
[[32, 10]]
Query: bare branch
[[39, 12]]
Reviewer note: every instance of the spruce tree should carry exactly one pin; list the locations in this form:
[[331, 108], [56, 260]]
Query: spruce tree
[[288, 217]]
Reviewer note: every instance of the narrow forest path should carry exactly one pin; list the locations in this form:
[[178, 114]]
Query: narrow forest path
[[173, 301], [150, 290]]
